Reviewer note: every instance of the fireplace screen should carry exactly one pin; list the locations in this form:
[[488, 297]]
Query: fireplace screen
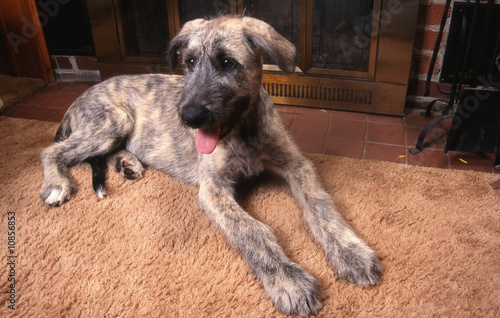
[[340, 45], [195, 9], [283, 16], [144, 28], [336, 24]]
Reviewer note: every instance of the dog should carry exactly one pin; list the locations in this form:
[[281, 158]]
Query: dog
[[212, 127]]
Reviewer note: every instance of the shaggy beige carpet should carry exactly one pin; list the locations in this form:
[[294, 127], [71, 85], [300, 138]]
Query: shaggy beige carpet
[[14, 89], [148, 250]]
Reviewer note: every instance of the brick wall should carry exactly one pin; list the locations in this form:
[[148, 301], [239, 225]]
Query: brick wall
[[428, 22]]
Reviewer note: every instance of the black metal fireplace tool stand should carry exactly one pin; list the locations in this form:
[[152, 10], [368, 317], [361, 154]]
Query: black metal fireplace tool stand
[[472, 31]]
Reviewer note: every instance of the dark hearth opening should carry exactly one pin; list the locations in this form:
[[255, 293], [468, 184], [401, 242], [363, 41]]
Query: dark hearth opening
[[66, 27]]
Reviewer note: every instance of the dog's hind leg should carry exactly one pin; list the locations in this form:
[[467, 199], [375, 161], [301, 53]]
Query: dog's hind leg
[[98, 165], [79, 147], [90, 131], [56, 186]]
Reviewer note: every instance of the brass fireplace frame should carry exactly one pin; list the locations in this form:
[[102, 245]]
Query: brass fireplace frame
[[382, 89]]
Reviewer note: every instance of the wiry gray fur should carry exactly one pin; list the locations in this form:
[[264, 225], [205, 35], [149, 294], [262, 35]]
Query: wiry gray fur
[[146, 119]]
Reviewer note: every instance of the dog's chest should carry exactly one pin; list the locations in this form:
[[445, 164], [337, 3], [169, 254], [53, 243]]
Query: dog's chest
[[245, 159]]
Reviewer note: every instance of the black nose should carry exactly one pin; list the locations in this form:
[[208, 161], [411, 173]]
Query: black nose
[[195, 116]]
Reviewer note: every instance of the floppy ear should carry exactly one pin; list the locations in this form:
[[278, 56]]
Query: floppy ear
[[262, 35], [175, 46], [180, 41]]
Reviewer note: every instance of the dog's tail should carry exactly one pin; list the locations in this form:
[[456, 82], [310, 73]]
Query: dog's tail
[[98, 165]]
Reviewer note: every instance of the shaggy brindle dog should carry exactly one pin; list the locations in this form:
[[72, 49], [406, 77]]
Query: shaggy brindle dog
[[212, 128]]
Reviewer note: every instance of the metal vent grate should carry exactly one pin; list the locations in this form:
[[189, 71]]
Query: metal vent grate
[[332, 94]]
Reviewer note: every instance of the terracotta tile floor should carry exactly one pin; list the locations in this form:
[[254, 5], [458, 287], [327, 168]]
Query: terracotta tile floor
[[348, 134]]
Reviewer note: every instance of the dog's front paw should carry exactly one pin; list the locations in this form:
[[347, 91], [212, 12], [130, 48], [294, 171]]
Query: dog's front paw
[[293, 290], [357, 263], [128, 166], [55, 195]]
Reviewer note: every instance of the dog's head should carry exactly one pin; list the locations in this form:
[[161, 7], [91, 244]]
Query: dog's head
[[223, 66]]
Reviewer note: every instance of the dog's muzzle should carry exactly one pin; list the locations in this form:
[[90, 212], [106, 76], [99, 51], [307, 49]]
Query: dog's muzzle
[[196, 117], [209, 132]]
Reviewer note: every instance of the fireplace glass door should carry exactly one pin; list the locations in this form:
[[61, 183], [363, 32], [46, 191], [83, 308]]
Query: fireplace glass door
[[342, 35]]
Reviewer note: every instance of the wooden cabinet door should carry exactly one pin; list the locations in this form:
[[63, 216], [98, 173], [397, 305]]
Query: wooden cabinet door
[[22, 34]]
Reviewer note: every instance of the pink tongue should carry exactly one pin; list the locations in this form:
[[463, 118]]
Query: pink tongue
[[206, 140]]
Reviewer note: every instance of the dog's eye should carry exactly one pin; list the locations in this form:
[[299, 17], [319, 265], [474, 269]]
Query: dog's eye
[[189, 62], [227, 63]]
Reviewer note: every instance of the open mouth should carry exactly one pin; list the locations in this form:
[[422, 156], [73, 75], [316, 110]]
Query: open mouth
[[207, 139]]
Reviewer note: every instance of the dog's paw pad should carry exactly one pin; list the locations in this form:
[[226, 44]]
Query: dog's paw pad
[[128, 172], [129, 169]]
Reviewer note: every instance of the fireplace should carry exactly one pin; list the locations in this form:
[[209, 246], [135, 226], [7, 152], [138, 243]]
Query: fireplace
[[352, 55]]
